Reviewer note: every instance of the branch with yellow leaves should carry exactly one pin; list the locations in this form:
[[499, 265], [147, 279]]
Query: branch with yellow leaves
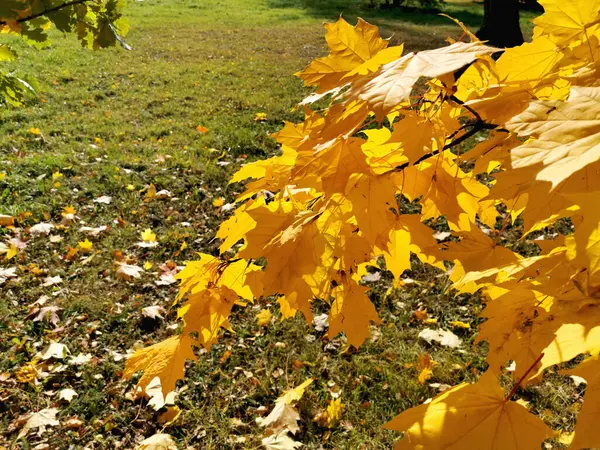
[[48, 11]]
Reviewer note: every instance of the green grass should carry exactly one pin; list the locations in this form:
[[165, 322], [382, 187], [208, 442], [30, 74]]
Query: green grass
[[111, 119]]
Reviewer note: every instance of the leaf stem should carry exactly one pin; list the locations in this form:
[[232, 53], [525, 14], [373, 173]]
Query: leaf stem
[[518, 383]]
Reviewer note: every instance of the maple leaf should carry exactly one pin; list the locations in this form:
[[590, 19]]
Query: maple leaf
[[284, 417], [85, 246], [165, 360], [565, 21], [128, 271], [445, 190], [263, 318], [334, 412], [586, 430], [470, 413], [567, 135], [158, 441], [476, 250], [40, 420], [206, 312], [425, 367], [349, 48], [392, 84], [351, 313], [280, 441]]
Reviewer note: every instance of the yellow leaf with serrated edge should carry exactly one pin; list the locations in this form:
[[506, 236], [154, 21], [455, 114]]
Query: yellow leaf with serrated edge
[[294, 394], [563, 21], [351, 313], [468, 414], [349, 48], [393, 83], [334, 412], [566, 135], [165, 360], [263, 318], [148, 236], [586, 431], [425, 367], [85, 246]]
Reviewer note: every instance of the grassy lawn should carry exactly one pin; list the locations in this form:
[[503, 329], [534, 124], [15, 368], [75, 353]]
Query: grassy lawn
[[114, 123]]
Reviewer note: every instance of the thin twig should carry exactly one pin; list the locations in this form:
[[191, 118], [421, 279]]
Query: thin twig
[[516, 386]]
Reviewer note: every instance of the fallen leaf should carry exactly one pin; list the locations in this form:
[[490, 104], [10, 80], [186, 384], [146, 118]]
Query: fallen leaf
[[169, 416], [153, 312], [105, 199], [159, 441], [280, 441], [67, 395], [41, 228], [5, 274], [55, 350], [443, 337], [128, 271], [85, 246], [93, 231], [6, 221], [260, 116], [264, 317], [81, 359], [51, 281], [40, 420]]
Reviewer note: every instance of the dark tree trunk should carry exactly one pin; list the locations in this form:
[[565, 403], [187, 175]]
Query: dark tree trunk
[[501, 26]]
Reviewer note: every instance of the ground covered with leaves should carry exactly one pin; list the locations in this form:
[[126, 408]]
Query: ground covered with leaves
[[117, 173]]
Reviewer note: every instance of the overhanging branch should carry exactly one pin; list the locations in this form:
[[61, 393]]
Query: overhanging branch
[[48, 11]]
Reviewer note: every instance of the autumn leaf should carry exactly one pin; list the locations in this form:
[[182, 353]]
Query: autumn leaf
[[470, 413], [425, 367], [85, 246], [165, 360], [586, 432], [393, 83], [351, 312], [349, 48], [567, 135], [263, 318]]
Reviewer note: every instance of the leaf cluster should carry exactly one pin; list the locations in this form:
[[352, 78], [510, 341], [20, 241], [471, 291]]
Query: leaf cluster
[[96, 23], [315, 218]]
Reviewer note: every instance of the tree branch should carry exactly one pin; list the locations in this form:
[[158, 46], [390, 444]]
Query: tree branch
[[477, 127], [48, 11]]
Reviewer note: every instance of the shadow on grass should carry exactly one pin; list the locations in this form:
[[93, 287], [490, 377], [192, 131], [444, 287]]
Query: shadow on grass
[[471, 14]]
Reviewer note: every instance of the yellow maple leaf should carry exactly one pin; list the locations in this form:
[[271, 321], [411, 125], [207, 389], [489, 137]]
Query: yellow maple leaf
[[85, 246], [334, 412], [11, 252], [218, 202], [35, 131], [425, 367], [294, 394], [393, 83], [206, 312], [467, 414], [586, 431], [165, 360], [351, 312], [565, 21], [260, 116], [148, 236], [567, 135], [68, 211], [263, 318], [349, 48], [460, 324]]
